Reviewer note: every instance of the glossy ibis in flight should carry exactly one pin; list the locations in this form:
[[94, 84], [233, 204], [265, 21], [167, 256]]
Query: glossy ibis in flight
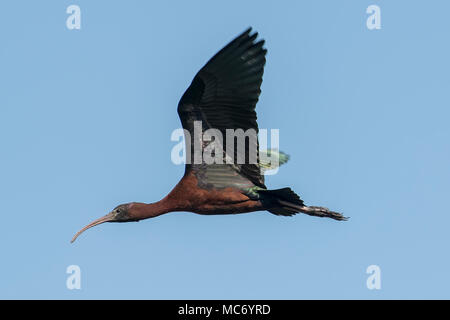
[[222, 95]]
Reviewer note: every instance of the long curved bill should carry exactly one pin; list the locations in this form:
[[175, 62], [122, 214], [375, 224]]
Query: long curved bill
[[109, 217]]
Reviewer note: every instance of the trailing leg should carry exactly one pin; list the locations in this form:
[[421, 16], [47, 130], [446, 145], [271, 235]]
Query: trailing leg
[[286, 202]]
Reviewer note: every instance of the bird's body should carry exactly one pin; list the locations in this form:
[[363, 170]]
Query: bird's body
[[222, 97], [209, 201]]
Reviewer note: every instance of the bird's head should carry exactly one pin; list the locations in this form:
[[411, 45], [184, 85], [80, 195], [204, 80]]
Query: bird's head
[[122, 213]]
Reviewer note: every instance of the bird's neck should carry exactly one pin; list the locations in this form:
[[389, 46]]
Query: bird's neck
[[142, 211]]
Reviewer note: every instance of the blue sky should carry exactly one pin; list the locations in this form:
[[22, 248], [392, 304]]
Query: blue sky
[[86, 117]]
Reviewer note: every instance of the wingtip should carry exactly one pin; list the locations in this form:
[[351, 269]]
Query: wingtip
[[246, 33], [252, 37]]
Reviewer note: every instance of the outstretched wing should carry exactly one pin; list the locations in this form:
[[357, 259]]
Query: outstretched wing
[[223, 95]]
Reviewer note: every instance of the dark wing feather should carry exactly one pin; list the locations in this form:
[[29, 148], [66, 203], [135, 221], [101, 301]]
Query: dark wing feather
[[223, 95]]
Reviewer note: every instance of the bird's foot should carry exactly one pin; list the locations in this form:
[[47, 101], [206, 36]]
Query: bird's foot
[[323, 213]]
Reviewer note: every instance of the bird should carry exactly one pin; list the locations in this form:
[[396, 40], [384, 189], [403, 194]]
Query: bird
[[222, 95]]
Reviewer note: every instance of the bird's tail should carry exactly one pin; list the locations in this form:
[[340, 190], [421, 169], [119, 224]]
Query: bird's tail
[[285, 202]]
